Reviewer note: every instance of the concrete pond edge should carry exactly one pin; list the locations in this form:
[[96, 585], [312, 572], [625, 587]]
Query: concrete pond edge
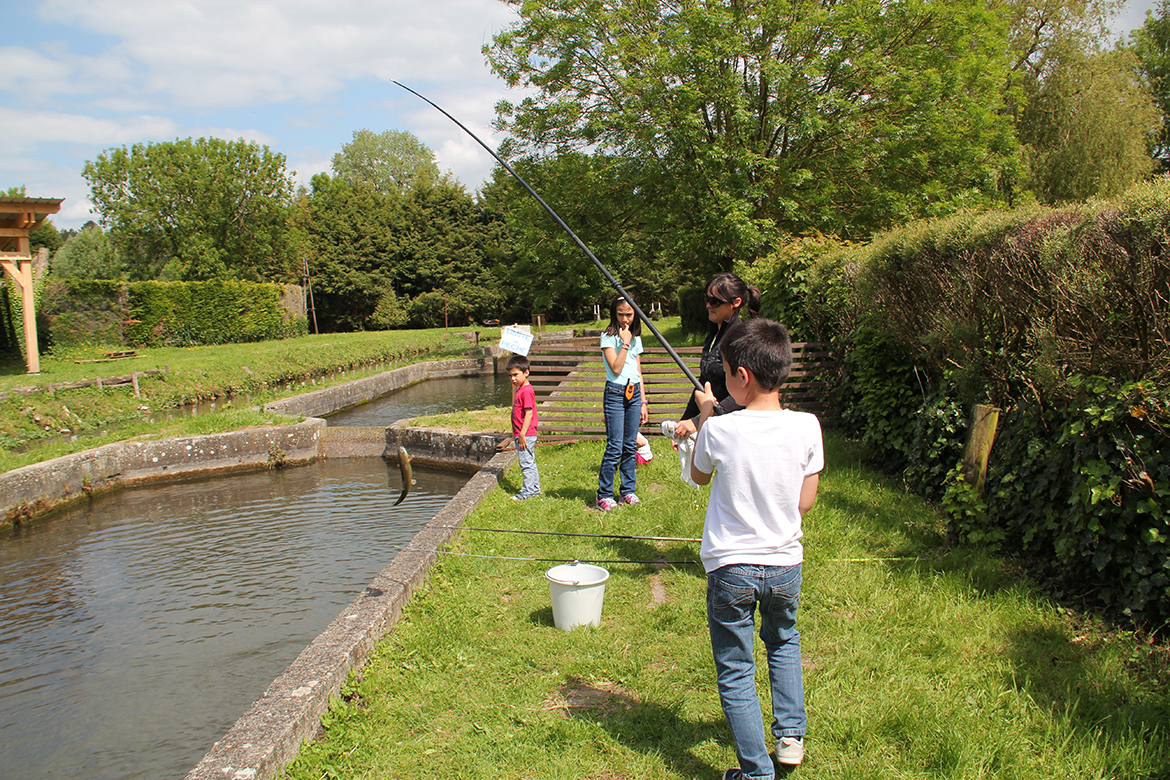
[[269, 735]]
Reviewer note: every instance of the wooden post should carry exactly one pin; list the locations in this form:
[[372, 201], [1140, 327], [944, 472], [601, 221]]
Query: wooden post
[[21, 270], [984, 421]]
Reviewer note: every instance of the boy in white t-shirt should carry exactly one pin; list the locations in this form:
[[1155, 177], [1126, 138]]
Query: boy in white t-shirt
[[763, 463]]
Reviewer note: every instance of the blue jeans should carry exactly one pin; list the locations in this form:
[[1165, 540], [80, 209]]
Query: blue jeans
[[622, 418], [527, 458], [733, 592]]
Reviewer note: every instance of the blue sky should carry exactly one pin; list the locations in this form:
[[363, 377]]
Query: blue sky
[[300, 76]]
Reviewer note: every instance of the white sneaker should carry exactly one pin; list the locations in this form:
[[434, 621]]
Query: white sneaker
[[790, 750]]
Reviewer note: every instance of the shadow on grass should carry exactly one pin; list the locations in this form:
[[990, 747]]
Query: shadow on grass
[[647, 727]]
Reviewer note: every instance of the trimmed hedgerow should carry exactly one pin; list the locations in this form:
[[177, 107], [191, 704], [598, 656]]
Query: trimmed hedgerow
[[1059, 317], [213, 312]]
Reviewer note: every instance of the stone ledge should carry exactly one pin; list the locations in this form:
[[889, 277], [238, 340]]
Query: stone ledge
[[42, 487]]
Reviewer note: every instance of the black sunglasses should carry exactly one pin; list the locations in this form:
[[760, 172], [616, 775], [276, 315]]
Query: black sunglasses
[[713, 301]]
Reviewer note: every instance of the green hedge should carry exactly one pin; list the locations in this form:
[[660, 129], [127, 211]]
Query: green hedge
[[79, 313], [76, 314], [692, 309], [1059, 317], [214, 312]]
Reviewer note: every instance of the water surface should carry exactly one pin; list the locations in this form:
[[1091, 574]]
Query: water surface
[[135, 630]]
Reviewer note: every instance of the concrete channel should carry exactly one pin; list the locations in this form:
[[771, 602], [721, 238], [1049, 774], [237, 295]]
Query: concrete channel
[[269, 734]]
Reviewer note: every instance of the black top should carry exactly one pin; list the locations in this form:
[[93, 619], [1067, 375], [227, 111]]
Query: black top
[[711, 370]]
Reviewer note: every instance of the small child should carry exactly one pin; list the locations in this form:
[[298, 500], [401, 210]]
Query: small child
[[766, 462], [524, 420], [645, 454]]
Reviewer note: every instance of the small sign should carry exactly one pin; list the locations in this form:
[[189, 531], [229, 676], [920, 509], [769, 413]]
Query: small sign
[[515, 340]]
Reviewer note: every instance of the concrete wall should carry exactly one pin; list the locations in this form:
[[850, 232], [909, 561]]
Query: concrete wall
[[320, 403], [40, 487]]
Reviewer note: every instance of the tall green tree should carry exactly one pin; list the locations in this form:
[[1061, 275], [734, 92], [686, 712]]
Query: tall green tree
[[421, 258], [755, 117], [1152, 44], [196, 209], [387, 162], [1086, 127], [90, 254]]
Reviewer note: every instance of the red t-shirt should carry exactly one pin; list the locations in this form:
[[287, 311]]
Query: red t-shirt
[[525, 399]]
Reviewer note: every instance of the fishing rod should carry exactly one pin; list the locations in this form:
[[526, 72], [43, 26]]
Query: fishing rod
[[581, 244]]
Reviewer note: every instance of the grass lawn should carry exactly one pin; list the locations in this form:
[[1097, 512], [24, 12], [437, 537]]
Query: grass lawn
[[920, 662]]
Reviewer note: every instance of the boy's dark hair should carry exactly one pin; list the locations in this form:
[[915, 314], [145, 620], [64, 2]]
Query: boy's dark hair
[[517, 361], [635, 326], [761, 346]]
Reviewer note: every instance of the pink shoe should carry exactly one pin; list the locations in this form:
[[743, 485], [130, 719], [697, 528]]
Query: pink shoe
[[606, 504], [631, 499]]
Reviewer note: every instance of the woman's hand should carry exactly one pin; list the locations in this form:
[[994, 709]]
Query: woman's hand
[[683, 429], [645, 412]]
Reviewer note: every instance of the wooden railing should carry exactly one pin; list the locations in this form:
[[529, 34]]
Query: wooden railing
[[569, 378]]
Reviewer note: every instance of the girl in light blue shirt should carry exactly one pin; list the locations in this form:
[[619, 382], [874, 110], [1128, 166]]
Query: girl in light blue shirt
[[623, 403]]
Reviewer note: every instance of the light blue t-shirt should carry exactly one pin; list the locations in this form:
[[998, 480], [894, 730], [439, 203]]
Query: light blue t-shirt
[[630, 368]]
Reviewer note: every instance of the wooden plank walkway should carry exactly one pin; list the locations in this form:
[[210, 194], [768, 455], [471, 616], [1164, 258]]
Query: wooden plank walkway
[[569, 378]]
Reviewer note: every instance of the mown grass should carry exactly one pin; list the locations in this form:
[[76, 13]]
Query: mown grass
[[920, 661]]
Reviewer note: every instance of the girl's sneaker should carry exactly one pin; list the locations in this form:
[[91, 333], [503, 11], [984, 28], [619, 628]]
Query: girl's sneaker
[[606, 504], [631, 499]]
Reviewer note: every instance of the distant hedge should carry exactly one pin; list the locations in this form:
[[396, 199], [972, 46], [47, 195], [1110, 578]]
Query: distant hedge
[[76, 313]]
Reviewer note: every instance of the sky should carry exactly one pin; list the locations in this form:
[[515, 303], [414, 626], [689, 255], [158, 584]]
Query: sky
[[78, 77]]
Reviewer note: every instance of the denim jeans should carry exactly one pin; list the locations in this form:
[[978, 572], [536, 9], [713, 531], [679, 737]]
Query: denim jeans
[[527, 458], [622, 418], [733, 592]]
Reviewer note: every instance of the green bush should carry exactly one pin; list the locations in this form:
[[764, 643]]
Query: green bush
[[1024, 310], [692, 309], [81, 313], [214, 312]]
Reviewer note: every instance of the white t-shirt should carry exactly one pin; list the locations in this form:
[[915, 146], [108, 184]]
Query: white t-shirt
[[760, 460]]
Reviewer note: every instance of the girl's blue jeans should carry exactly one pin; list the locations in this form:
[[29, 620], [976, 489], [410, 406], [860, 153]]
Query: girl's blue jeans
[[733, 592], [622, 418]]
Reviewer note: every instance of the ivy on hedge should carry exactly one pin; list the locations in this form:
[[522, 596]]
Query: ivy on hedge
[[76, 313]]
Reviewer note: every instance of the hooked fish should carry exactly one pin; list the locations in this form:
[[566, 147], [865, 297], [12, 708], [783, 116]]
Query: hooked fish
[[407, 473]]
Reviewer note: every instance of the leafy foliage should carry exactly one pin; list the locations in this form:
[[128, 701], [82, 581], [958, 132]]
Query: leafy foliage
[[196, 209], [215, 312], [90, 254], [751, 118], [82, 313], [371, 256], [393, 161], [1027, 310]]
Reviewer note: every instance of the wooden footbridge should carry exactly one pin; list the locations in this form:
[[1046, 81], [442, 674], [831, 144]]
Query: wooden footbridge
[[569, 378]]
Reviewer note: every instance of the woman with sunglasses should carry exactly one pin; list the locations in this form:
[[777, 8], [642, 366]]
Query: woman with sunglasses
[[726, 295]]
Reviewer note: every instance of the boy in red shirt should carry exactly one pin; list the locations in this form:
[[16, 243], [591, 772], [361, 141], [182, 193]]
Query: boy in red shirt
[[524, 420]]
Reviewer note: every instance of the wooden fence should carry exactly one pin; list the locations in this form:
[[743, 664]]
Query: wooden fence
[[569, 378]]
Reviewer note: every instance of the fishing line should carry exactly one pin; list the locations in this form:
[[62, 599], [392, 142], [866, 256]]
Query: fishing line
[[542, 560], [567, 533], [581, 244]]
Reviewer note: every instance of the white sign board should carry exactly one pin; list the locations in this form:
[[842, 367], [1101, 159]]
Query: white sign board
[[515, 340]]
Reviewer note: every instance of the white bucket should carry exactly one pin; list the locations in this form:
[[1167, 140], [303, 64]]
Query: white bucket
[[577, 589]]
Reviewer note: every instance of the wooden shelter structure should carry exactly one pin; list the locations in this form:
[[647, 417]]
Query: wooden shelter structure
[[17, 217]]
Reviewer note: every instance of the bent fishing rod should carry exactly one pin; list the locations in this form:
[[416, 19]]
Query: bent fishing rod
[[581, 244]]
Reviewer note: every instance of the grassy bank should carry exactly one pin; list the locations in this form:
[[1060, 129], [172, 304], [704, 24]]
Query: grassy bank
[[919, 661], [45, 425]]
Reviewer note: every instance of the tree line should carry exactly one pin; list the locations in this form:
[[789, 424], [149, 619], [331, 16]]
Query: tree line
[[677, 139]]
